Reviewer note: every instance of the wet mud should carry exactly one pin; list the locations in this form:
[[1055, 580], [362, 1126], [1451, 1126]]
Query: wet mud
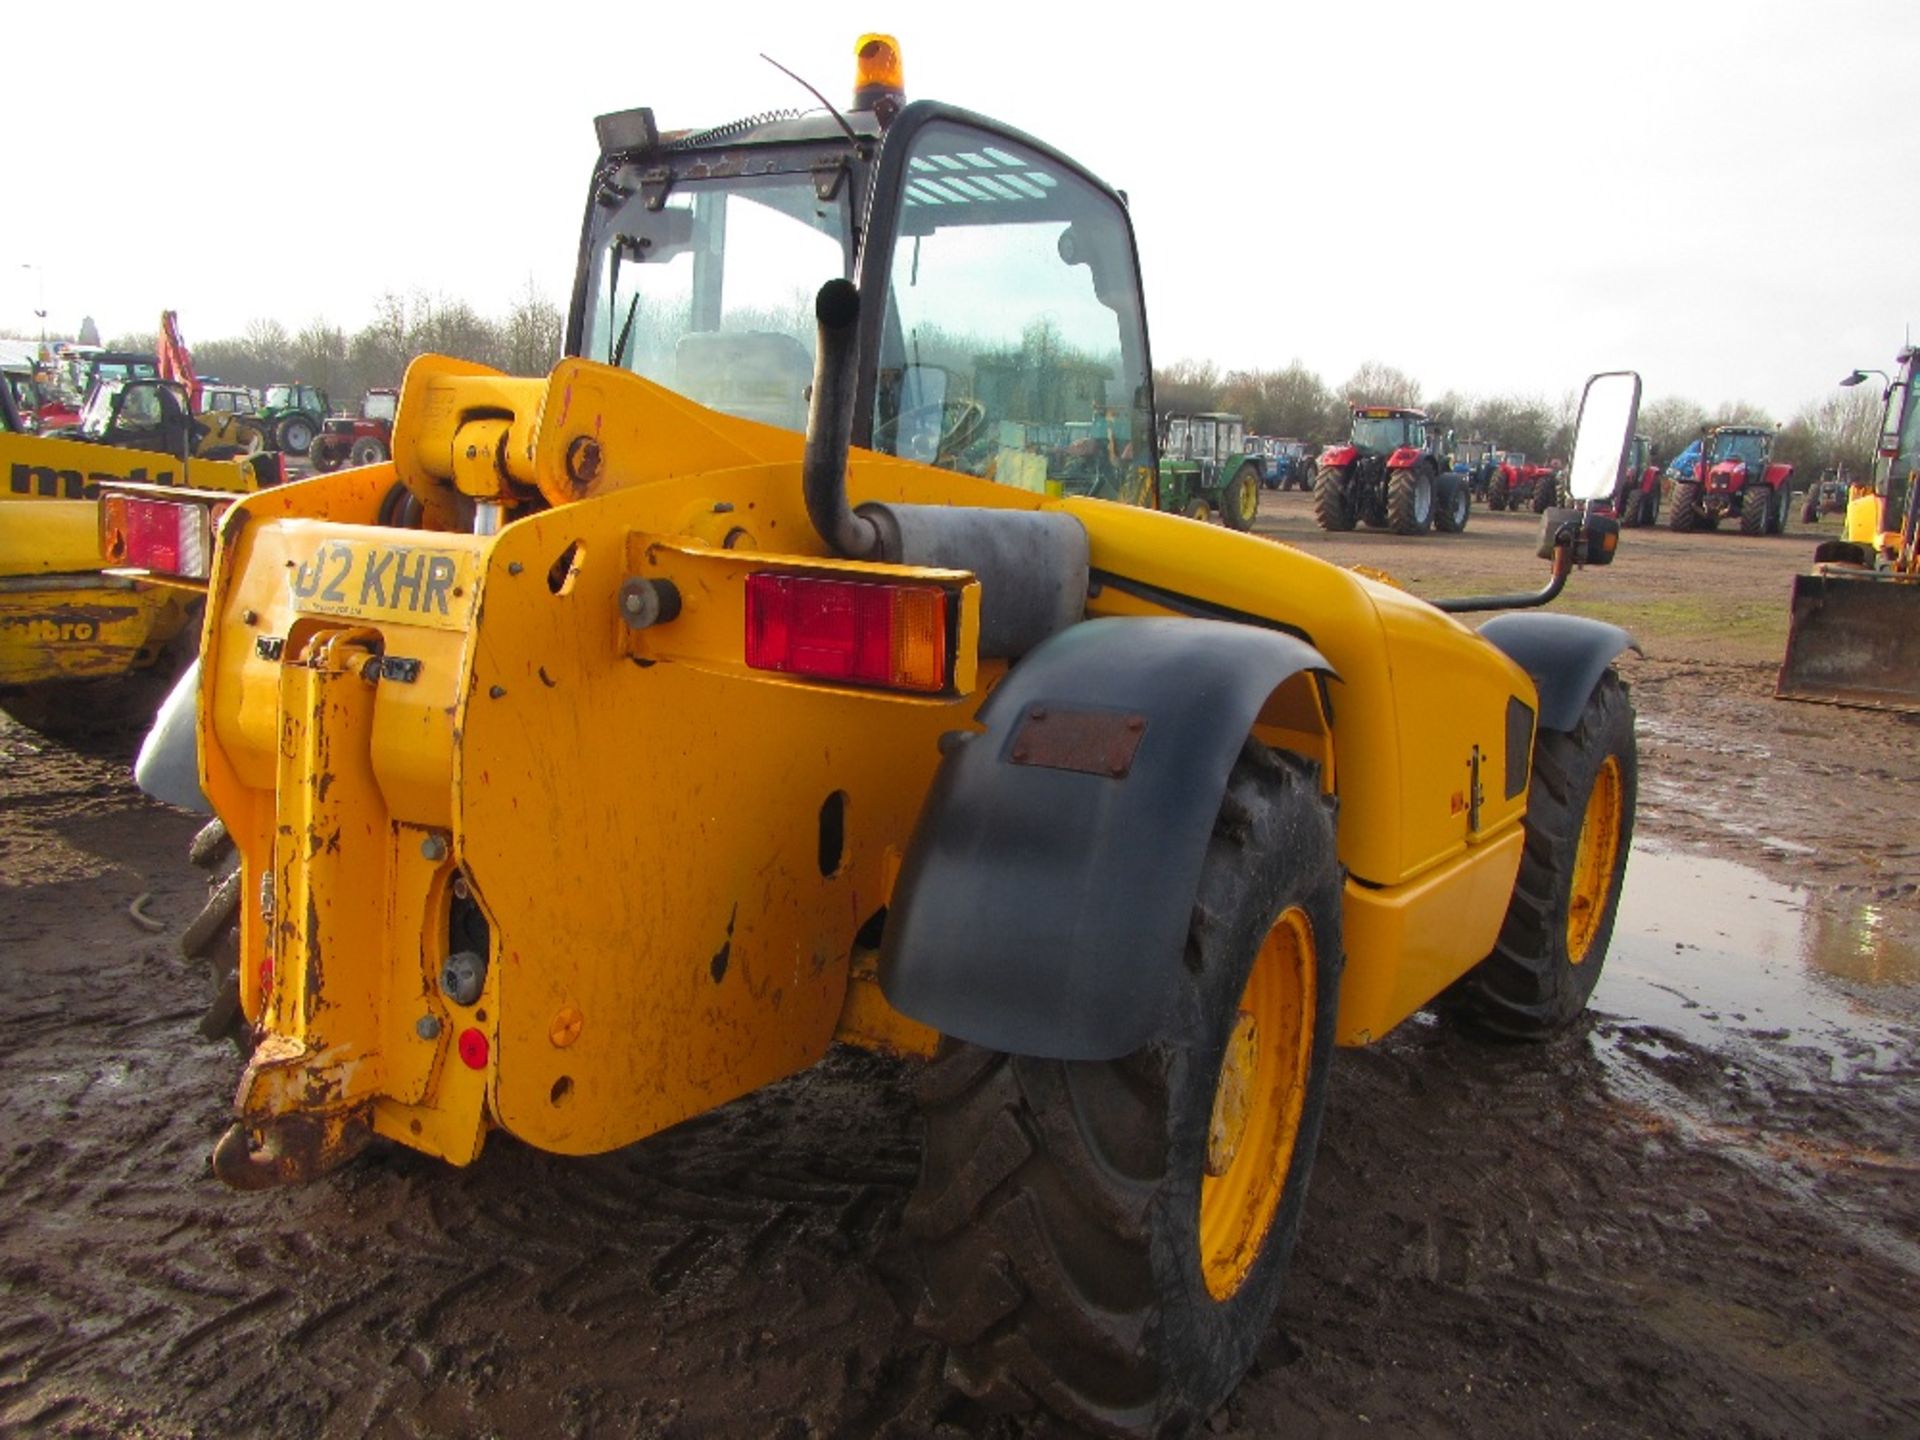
[[1698, 1214]]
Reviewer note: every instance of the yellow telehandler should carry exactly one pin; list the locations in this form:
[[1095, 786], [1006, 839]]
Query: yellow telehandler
[[1854, 638], [770, 676]]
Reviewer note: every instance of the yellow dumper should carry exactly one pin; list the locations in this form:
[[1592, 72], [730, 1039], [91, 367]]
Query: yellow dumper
[[82, 648]]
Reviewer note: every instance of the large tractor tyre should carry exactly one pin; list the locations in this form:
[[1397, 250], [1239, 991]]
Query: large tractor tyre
[[367, 450], [1778, 517], [1810, 511], [1332, 507], [1107, 1240], [1496, 497], [1240, 501], [1450, 515], [211, 944], [1545, 491], [1410, 501], [320, 457], [1684, 514], [1579, 827], [1756, 509], [296, 433]]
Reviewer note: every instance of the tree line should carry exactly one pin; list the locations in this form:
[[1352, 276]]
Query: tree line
[[524, 341], [1840, 430]]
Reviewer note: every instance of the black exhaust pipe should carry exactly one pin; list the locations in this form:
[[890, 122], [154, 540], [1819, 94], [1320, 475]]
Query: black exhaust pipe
[[823, 470]]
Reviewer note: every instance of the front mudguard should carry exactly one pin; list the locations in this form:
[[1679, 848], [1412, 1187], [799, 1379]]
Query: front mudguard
[[1564, 654], [1045, 899]]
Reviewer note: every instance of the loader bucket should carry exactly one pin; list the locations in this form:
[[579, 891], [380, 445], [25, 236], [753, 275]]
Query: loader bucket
[[1854, 640]]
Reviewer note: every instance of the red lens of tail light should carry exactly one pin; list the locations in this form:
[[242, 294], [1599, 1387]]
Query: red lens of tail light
[[854, 632], [168, 537]]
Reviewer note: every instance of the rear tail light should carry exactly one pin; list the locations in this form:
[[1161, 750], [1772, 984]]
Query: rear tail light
[[167, 537], [852, 631]]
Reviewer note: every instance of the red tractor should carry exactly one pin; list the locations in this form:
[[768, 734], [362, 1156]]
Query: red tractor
[[356, 440], [1636, 499], [1735, 475], [1389, 475], [1515, 482]]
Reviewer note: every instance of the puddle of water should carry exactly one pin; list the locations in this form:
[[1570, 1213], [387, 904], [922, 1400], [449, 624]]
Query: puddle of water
[[1720, 955]]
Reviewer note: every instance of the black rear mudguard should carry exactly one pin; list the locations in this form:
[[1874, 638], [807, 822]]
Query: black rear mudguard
[[1045, 899]]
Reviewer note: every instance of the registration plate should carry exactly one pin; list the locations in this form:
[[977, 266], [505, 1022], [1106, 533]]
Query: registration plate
[[368, 580]]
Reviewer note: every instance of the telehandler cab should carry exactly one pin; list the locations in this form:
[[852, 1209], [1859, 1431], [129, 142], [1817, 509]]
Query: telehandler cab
[[616, 749]]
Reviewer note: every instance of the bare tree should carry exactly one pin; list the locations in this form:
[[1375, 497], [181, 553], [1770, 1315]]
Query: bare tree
[[533, 334], [1188, 387], [1375, 383], [1671, 423]]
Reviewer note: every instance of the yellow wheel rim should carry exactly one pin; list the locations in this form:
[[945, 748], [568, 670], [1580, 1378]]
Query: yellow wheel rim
[[1249, 497], [1257, 1103], [1594, 861], [1197, 510]]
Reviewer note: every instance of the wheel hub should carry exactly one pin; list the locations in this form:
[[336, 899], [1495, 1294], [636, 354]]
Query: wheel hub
[[1594, 860], [1231, 1099], [1257, 1102]]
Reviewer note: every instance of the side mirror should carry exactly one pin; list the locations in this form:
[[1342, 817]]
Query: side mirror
[[1609, 411]]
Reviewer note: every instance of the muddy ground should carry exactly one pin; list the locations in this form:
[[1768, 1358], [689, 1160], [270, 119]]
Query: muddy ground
[[1698, 1215]]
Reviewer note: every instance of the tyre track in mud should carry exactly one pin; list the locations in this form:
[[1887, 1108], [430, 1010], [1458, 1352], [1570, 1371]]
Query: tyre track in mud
[[1618, 1233]]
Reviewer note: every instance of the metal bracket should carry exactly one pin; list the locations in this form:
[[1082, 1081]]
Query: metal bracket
[[392, 667], [654, 186], [827, 177]]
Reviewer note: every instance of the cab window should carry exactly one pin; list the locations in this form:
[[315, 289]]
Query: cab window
[[1012, 345]]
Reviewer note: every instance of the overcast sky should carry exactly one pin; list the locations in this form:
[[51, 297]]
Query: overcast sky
[[1491, 197]]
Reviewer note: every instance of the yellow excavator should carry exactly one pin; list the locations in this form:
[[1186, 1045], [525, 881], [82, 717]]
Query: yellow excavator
[[768, 676], [1855, 633]]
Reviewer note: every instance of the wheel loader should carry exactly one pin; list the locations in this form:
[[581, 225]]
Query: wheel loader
[[1854, 638], [766, 678]]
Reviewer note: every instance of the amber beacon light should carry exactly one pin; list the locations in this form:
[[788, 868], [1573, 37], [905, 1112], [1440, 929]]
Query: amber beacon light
[[879, 80]]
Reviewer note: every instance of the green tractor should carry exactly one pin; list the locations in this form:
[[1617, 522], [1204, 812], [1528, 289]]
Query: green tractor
[[292, 415], [1206, 466]]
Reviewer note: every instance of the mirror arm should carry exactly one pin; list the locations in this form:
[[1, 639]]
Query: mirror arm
[[1563, 543]]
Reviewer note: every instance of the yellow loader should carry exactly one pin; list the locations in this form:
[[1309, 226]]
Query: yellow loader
[[766, 678], [1854, 638], [83, 649]]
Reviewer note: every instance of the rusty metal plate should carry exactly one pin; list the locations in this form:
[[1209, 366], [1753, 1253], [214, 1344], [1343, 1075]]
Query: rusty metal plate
[[1091, 742]]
